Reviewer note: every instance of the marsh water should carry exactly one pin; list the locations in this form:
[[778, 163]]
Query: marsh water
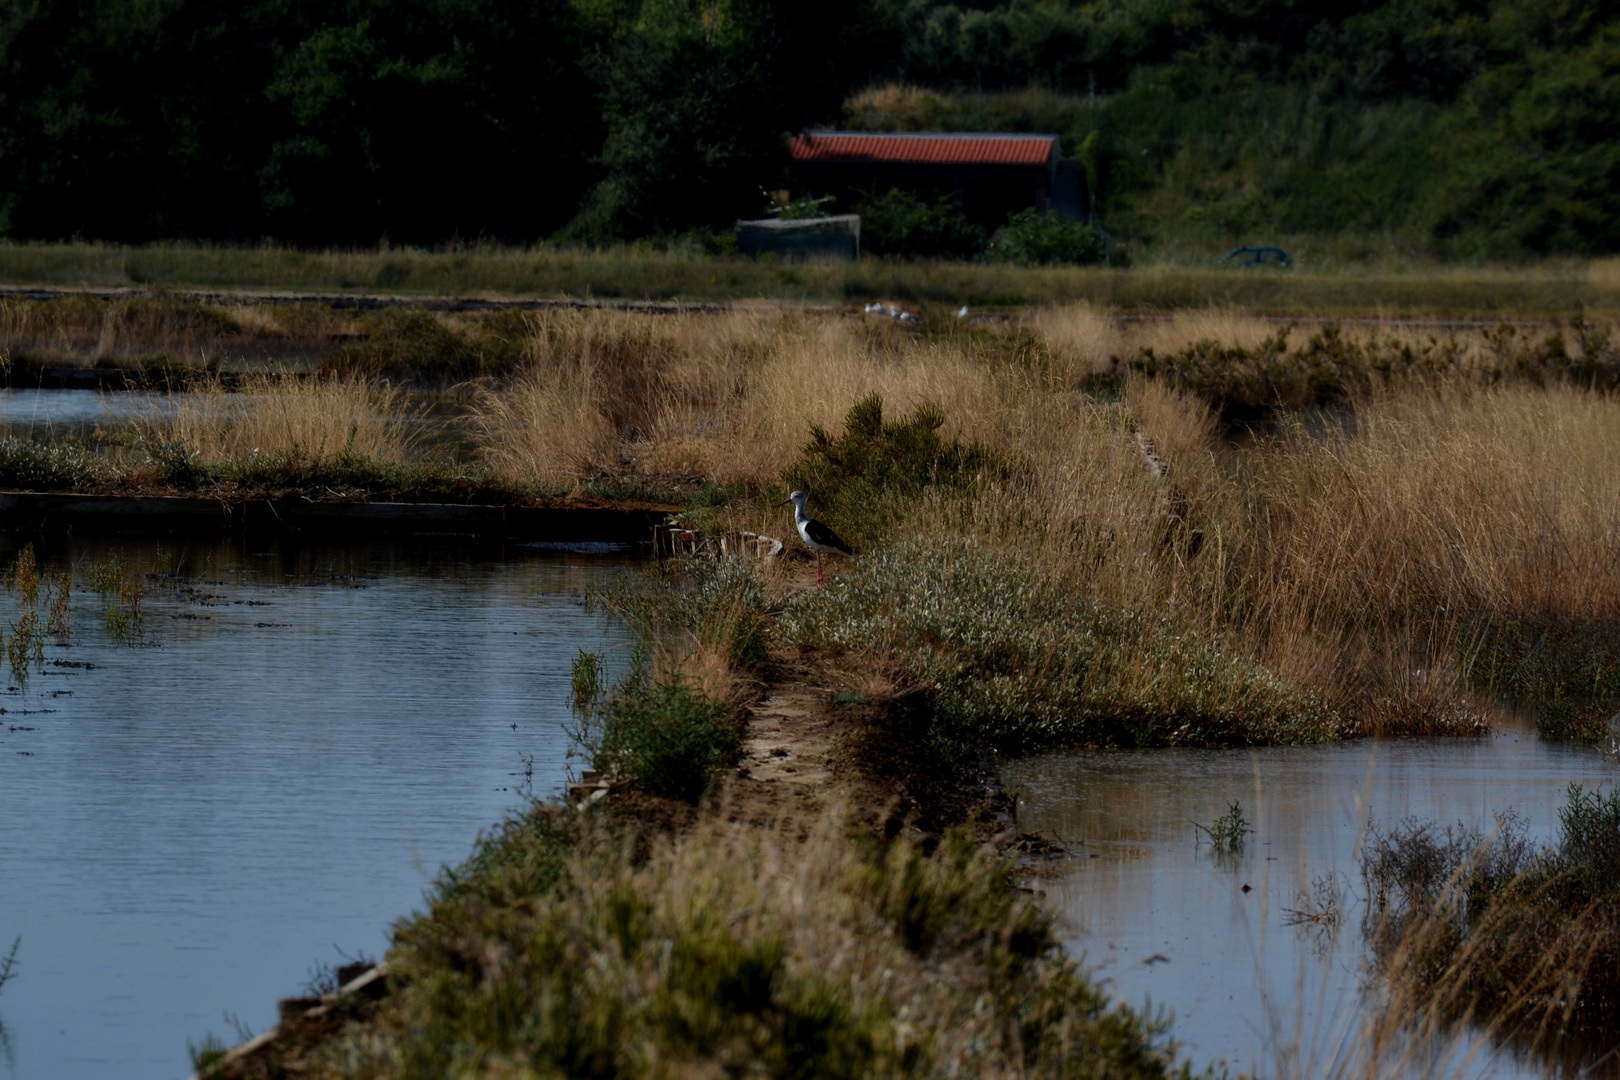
[[270, 769], [1167, 923], [59, 413]]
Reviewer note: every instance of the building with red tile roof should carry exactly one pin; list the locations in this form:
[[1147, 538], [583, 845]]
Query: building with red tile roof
[[988, 175]]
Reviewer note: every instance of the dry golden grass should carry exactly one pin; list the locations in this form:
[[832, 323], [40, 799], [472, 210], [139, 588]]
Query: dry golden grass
[[1500, 500], [1355, 553], [1351, 558], [316, 419]]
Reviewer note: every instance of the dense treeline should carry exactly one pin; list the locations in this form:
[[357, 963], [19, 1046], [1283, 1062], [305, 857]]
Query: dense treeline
[[1465, 126], [1471, 126], [349, 120]]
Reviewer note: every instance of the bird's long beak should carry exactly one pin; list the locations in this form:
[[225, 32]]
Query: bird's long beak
[[784, 502]]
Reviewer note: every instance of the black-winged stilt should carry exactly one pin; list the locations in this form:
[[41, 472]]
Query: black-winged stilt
[[816, 535]]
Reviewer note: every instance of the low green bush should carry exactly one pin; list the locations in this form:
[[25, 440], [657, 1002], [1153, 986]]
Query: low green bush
[[722, 606], [900, 223], [1548, 659], [856, 478], [1330, 368], [1031, 238], [665, 737], [1584, 722], [570, 947], [410, 342], [27, 465], [1020, 661]]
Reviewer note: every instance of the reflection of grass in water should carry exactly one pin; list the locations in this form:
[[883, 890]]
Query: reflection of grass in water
[[60, 624], [8, 966], [27, 643], [24, 576], [105, 577], [123, 611], [120, 591], [8, 969]]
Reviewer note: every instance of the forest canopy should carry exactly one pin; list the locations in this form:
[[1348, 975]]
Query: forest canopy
[[1470, 127]]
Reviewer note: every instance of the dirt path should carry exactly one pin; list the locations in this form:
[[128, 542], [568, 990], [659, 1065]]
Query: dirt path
[[818, 737]]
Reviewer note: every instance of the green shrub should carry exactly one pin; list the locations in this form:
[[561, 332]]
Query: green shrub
[[1020, 661], [900, 223], [1578, 721], [856, 477], [181, 466], [405, 342], [1330, 368], [1033, 239], [1589, 844], [1534, 930], [568, 948], [721, 606], [1548, 659], [666, 738], [31, 466]]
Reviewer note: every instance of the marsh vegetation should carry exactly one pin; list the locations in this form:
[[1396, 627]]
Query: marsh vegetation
[[1202, 528], [1076, 530]]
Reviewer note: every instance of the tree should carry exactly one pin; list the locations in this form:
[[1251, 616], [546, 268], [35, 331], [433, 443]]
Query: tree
[[698, 98]]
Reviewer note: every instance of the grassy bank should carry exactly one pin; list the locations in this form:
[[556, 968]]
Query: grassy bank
[[1073, 530], [1537, 290], [1359, 528], [559, 949]]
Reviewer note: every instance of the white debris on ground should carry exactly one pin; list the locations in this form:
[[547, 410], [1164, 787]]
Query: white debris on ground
[[891, 311]]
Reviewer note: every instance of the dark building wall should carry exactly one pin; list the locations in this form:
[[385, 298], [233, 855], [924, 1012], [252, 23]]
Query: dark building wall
[[985, 194]]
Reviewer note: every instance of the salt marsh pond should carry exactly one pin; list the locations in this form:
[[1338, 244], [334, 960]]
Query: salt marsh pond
[[1225, 942], [268, 770]]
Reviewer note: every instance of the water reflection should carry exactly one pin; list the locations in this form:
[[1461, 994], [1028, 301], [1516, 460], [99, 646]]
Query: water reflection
[[1163, 919], [301, 738], [55, 414]]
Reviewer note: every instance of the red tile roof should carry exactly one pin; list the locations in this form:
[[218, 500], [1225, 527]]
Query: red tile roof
[[924, 149]]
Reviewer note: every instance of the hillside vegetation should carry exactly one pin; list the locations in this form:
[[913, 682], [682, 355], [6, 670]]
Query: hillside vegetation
[[1457, 129], [1461, 128]]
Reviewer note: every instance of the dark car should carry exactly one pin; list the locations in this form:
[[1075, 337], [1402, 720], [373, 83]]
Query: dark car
[[1256, 256]]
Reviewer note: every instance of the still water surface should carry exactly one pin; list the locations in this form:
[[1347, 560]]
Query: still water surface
[[1163, 920], [45, 413], [302, 738]]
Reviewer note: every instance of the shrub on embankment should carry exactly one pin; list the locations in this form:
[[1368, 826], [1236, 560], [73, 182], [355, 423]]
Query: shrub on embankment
[[1243, 382], [556, 951], [1495, 922], [1018, 660], [665, 737]]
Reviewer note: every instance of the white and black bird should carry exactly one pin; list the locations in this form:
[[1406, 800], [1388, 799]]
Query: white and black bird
[[816, 536]]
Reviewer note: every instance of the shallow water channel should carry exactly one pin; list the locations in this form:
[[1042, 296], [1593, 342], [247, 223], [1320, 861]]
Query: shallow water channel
[[1162, 919], [299, 738], [46, 414]]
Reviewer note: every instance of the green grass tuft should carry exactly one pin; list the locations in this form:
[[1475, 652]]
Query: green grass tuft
[[666, 737], [33, 466], [1020, 661], [858, 476], [569, 947]]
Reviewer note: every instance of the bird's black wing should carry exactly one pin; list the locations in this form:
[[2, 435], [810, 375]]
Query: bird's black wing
[[827, 538]]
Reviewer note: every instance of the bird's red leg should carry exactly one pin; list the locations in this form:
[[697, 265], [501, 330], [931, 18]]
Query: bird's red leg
[[818, 567]]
